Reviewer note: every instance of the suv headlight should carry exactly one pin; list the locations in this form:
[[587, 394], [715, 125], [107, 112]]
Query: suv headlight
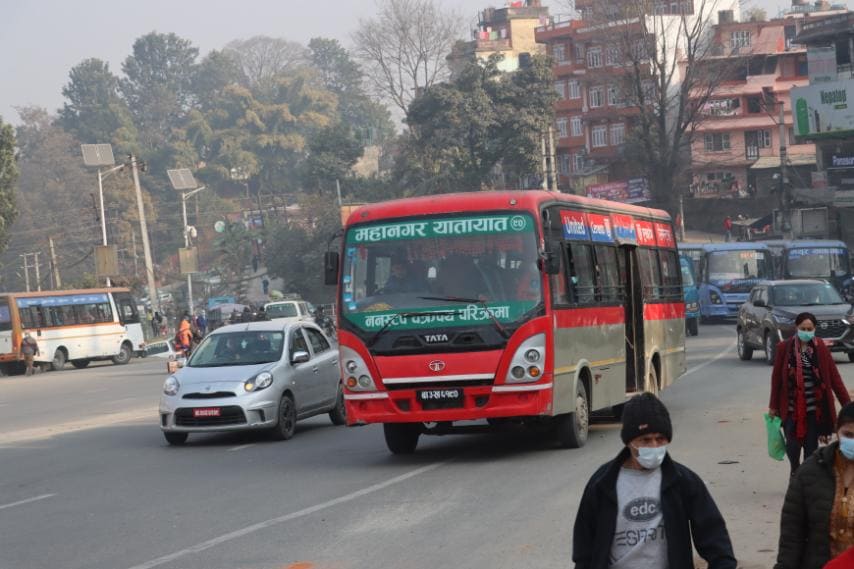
[[261, 381], [528, 361], [171, 386], [357, 376]]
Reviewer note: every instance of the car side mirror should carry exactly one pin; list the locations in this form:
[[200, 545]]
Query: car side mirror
[[760, 304], [331, 260], [300, 358]]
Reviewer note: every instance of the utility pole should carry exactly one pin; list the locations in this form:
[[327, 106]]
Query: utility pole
[[553, 160], [54, 266], [545, 184], [135, 256], [143, 228], [785, 201], [26, 271], [38, 276]]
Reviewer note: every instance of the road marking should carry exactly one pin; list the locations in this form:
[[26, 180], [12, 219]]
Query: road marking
[[205, 545], [241, 447], [27, 501], [96, 422], [708, 362]]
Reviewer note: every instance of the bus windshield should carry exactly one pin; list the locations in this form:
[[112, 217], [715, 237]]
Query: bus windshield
[[738, 265], [817, 262], [441, 271], [687, 273]]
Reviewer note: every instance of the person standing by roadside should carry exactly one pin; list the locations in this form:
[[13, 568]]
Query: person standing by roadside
[[728, 228], [642, 509], [30, 349], [803, 383], [202, 323], [184, 337], [817, 521]]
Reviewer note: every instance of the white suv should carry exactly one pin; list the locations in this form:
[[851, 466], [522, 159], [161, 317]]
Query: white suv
[[288, 310]]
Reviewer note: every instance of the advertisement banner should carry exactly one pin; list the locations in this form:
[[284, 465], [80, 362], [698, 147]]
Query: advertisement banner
[[634, 190], [823, 110], [821, 62]]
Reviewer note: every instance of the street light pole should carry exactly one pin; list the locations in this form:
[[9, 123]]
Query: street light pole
[[184, 197], [101, 176]]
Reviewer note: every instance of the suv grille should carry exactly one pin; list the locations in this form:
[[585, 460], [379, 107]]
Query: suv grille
[[232, 415], [830, 328]]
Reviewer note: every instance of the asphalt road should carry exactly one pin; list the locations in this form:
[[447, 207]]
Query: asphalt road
[[87, 481]]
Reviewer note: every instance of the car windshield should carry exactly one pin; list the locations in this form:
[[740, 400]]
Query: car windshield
[[238, 349], [287, 310], [394, 272], [806, 295], [737, 265], [687, 274], [817, 262]]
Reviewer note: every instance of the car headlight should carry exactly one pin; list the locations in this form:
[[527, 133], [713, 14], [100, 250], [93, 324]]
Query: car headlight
[[171, 386], [261, 381]]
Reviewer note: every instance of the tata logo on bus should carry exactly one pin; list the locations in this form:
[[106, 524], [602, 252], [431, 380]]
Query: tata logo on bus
[[435, 338], [574, 226], [436, 366]]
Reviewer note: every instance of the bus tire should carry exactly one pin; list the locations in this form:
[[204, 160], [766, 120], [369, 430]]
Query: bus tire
[[80, 364], [745, 352], [653, 383], [124, 355], [571, 429], [693, 327], [338, 414], [59, 359], [175, 439], [851, 357], [401, 438]]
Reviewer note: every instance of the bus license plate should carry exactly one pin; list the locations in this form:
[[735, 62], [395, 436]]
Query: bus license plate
[[440, 398], [206, 412]]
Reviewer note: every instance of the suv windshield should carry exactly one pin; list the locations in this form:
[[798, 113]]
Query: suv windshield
[[287, 310], [806, 295], [736, 265], [413, 273], [817, 262], [238, 349]]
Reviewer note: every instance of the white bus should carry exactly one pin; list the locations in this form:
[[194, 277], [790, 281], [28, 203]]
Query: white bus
[[76, 326]]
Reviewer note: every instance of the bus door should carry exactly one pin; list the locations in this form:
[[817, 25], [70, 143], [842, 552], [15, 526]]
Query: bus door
[[6, 344], [630, 278], [129, 318]]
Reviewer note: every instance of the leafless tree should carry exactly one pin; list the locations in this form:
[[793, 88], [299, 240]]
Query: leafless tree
[[671, 66], [404, 48], [263, 58]]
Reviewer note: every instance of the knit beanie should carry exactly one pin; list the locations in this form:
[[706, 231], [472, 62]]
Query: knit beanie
[[846, 415], [644, 414]]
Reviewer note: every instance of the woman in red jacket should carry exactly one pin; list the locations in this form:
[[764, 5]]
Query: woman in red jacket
[[803, 383]]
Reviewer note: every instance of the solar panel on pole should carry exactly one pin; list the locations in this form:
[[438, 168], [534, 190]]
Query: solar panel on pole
[[182, 179], [98, 154]]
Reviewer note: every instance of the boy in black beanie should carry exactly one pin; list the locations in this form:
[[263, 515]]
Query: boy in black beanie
[[643, 509]]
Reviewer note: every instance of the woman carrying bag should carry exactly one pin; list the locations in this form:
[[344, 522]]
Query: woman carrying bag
[[803, 384]]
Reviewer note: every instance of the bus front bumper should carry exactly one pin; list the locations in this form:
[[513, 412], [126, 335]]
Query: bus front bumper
[[478, 402]]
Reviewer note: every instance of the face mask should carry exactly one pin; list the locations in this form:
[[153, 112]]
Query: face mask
[[806, 336], [846, 447], [651, 457]]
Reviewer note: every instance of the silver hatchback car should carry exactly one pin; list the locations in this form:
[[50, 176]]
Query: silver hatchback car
[[258, 375]]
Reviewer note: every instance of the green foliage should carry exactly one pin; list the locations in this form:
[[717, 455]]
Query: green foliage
[[332, 152], [463, 131], [8, 176], [234, 250]]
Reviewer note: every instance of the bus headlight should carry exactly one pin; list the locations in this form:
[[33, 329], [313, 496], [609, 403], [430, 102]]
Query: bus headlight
[[715, 297], [692, 307], [356, 373], [171, 386], [526, 364]]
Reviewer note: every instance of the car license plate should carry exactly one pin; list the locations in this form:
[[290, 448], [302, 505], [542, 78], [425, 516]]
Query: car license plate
[[206, 412], [440, 398]]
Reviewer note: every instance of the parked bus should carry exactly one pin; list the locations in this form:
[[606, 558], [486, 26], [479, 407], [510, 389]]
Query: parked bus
[[533, 306], [70, 325], [727, 273], [814, 259], [692, 296]]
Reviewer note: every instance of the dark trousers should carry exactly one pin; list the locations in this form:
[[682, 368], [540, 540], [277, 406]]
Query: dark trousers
[[794, 446]]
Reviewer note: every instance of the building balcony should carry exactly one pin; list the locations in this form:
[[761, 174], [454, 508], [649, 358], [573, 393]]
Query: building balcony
[[501, 44], [570, 105]]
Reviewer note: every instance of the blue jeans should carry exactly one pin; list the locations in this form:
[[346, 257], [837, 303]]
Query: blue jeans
[[794, 446]]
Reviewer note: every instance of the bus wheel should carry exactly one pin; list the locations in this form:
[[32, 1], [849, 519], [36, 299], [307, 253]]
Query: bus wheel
[[693, 327], [571, 429], [80, 364], [401, 438], [652, 383], [59, 359], [123, 356]]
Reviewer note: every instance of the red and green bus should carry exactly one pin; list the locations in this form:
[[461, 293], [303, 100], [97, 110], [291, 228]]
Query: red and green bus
[[527, 306]]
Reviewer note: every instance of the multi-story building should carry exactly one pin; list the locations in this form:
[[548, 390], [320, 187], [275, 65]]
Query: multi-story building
[[736, 147], [593, 119], [508, 32]]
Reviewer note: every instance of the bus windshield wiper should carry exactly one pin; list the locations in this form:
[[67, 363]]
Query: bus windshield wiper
[[482, 303], [399, 315]]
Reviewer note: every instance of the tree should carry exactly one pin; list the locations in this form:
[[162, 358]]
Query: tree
[[462, 131], [263, 60], [215, 72], [8, 177], [404, 48], [330, 156], [94, 111]]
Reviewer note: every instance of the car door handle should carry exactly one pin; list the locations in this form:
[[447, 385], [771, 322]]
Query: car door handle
[[315, 369]]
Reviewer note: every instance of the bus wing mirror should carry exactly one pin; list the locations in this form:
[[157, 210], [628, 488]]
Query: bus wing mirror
[[330, 267], [551, 260]]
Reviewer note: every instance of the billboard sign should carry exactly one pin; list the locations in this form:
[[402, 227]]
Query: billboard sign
[[821, 62], [824, 110], [635, 190]]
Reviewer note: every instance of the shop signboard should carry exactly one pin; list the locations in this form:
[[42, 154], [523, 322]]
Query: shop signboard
[[821, 62], [824, 110], [634, 190]]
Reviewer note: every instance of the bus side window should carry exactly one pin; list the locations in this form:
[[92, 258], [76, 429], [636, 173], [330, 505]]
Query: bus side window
[[582, 275], [650, 274], [608, 273], [671, 275], [560, 290]]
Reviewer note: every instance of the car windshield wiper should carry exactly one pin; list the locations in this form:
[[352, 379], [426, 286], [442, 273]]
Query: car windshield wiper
[[399, 315], [482, 303]]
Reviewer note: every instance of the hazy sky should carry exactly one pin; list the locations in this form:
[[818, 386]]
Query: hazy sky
[[41, 40]]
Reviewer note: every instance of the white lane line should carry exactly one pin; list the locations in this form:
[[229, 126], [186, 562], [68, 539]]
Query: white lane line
[[720, 355], [198, 548], [241, 447], [27, 501]]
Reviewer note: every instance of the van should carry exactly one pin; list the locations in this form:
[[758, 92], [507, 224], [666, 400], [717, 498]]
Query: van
[[288, 310]]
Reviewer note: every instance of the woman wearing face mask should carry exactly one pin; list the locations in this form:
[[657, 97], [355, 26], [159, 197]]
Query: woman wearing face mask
[[818, 515], [645, 510], [803, 383]]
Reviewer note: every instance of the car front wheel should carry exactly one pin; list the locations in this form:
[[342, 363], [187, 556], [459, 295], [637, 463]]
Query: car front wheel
[[287, 423], [338, 415]]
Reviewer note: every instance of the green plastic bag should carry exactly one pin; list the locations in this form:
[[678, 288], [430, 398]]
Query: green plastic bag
[[776, 442]]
